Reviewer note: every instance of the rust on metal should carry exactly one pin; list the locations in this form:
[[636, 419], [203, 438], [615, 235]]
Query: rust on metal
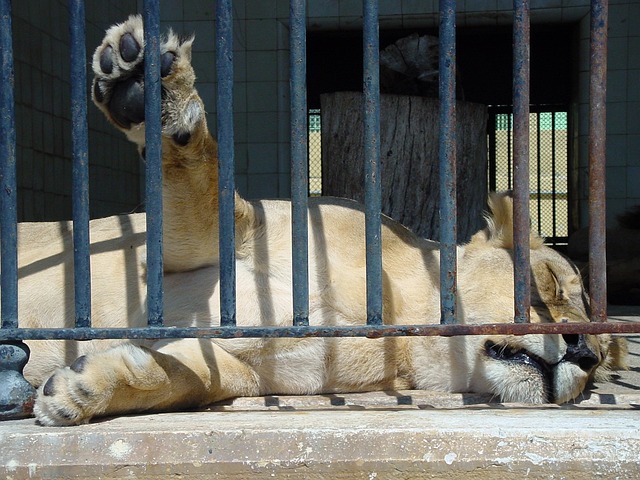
[[369, 331], [447, 162], [521, 80], [597, 167]]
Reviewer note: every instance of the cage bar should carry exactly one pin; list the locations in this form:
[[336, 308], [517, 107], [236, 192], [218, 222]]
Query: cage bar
[[521, 191], [80, 166], [372, 183], [299, 167], [9, 216], [447, 154], [539, 174], [226, 181], [369, 331], [16, 394], [153, 157], [553, 178], [597, 159]]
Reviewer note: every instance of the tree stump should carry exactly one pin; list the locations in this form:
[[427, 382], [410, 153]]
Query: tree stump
[[409, 159]]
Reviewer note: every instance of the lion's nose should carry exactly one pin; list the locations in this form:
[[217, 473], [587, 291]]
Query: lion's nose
[[578, 352]]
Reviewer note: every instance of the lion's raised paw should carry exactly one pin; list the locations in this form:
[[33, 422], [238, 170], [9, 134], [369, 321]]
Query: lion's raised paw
[[118, 86]]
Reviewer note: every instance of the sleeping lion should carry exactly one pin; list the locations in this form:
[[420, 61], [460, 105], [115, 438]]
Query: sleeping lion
[[117, 377]]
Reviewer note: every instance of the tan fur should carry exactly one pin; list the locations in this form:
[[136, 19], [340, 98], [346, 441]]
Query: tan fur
[[176, 374]]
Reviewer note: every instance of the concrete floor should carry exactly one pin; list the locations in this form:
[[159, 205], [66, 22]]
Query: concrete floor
[[625, 382], [409, 435]]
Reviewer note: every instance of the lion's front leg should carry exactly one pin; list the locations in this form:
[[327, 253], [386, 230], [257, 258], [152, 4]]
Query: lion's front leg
[[183, 374], [189, 153]]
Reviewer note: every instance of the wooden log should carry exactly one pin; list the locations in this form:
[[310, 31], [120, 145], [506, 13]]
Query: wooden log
[[409, 156]]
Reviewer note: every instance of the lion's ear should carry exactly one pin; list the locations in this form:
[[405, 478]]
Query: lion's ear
[[500, 222]]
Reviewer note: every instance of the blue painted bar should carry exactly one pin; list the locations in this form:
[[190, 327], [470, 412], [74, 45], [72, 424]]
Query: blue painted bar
[[447, 154], [16, 394], [226, 182], [597, 161], [8, 186], [372, 183], [299, 162], [153, 157], [521, 220], [80, 167]]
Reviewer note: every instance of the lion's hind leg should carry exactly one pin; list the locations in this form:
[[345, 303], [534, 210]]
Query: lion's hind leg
[[187, 373]]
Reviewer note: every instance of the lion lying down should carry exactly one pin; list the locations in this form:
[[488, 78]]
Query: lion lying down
[[115, 377]]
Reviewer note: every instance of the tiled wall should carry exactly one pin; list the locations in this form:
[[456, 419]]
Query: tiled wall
[[261, 88], [43, 125], [623, 108], [261, 96], [261, 71]]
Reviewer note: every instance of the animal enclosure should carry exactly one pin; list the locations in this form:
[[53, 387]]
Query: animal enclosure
[[12, 333]]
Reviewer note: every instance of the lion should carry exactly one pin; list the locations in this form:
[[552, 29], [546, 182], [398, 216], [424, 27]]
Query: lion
[[118, 377]]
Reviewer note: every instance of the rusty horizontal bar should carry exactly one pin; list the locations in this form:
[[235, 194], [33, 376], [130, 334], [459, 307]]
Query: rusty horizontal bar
[[369, 331]]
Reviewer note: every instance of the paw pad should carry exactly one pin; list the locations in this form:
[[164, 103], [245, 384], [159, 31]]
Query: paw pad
[[48, 389], [79, 364], [166, 62], [127, 102], [129, 48], [106, 60]]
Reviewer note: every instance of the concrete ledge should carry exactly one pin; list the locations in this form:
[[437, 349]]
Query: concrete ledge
[[375, 435]]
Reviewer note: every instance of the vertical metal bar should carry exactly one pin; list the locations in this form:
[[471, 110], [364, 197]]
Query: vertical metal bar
[[8, 186], [80, 168], [493, 119], [509, 151], [597, 150], [522, 267], [226, 183], [299, 161], [153, 156], [372, 184], [16, 394], [447, 154], [554, 196], [539, 174]]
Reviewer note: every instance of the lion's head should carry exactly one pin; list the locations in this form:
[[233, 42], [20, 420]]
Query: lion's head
[[531, 368]]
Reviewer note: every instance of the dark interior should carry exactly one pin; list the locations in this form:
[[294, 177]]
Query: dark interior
[[484, 62]]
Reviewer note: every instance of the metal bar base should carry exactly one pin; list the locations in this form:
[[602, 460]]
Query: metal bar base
[[16, 394]]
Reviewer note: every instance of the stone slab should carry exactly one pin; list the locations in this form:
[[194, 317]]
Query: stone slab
[[499, 441]]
